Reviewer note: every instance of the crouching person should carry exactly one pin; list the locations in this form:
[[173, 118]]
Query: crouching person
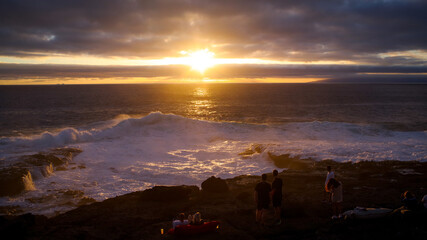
[[180, 221]]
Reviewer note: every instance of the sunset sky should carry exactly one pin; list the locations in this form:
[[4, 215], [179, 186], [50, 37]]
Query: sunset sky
[[135, 41]]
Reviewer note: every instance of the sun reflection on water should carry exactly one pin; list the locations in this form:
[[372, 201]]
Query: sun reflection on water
[[201, 106], [201, 92]]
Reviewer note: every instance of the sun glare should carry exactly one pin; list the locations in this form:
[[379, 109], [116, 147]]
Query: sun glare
[[199, 60]]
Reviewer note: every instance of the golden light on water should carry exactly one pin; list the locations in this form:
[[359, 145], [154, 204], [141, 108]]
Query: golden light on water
[[201, 106], [200, 92]]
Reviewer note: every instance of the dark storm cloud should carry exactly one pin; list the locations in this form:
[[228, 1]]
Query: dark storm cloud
[[47, 71], [288, 30]]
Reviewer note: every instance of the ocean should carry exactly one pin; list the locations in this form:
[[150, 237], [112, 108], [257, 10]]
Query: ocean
[[133, 137]]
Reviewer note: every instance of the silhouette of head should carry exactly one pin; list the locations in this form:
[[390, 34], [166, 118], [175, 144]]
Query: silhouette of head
[[275, 172], [328, 168], [181, 217], [408, 194], [264, 177]]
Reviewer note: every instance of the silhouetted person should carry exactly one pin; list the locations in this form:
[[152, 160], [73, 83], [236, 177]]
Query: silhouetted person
[[329, 175], [409, 201], [276, 196], [335, 188], [262, 198], [424, 202]]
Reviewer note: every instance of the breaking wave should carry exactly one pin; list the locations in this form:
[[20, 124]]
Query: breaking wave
[[320, 140], [129, 154]]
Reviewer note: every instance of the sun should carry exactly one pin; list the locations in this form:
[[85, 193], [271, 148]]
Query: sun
[[199, 60]]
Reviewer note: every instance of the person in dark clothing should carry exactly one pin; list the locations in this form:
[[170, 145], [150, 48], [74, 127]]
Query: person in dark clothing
[[276, 196], [262, 198], [335, 188], [410, 204], [409, 201]]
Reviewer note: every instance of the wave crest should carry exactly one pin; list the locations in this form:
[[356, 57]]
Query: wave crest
[[320, 140]]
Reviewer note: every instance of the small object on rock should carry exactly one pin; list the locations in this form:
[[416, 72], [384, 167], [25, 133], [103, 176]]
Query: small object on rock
[[367, 213], [215, 185], [188, 230]]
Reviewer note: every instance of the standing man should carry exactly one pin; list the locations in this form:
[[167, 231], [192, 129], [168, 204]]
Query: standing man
[[276, 196], [262, 198], [329, 175]]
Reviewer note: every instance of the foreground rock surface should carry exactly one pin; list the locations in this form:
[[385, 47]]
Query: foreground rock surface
[[141, 215], [215, 185]]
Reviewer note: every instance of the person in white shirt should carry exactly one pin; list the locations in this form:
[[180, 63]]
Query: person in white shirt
[[329, 175], [424, 201], [180, 221]]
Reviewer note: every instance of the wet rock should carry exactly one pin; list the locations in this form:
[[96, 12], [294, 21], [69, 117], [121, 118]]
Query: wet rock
[[141, 215], [42, 159], [12, 180], [73, 193], [61, 168], [169, 194], [287, 161], [86, 201], [67, 152], [255, 148], [215, 185], [10, 210], [16, 178]]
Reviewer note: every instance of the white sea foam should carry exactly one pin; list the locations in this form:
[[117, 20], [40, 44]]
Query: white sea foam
[[129, 154]]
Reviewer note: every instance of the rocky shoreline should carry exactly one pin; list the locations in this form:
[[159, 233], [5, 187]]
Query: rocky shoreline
[[18, 177], [141, 215]]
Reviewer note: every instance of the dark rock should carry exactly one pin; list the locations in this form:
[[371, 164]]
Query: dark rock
[[255, 148], [41, 159], [11, 210], [67, 152], [12, 181], [244, 197], [19, 227], [16, 178], [287, 161], [73, 193], [86, 201], [61, 168], [169, 194], [215, 185], [141, 215]]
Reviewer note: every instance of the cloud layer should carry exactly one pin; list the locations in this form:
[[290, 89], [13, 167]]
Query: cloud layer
[[311, 30], [77, 74]]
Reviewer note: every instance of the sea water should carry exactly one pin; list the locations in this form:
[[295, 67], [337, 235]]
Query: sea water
[[134, 137]]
